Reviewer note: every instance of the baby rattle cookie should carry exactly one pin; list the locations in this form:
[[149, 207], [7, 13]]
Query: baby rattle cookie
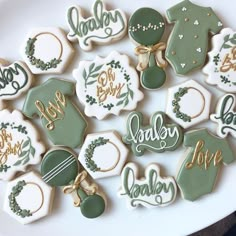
[[19, 146], [28, 198], [60, 168], [222, 61], [103, 154], [46, 50], [157, 137], [198, 172], [188, 103], [15, 79], [102, 27], [150, 191], [107, 85], [61, 119], [188, 43], [146, 27]]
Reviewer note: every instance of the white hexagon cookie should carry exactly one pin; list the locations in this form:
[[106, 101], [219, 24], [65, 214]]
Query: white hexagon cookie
[[103, 154], [46, 50], [188, 104], [28, 198]]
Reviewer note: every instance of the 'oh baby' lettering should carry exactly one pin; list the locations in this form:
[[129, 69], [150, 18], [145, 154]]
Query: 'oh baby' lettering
[[157, 137]]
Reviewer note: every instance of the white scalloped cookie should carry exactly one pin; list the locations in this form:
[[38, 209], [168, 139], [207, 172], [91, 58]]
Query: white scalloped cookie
[[19, 144], [107, 85]]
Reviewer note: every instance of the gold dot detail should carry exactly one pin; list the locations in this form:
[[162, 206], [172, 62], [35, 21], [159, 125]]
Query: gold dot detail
[[186, 19], [173, 52], [194, 62], [195, 36], [209, 14]]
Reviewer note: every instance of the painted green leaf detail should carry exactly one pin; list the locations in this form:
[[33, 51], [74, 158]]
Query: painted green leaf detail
[[32, 151], [91, 66], [131, 94], [26, 143], [22, 153], [17, 163], [226, 38], [122, 95], [226, 46], [95, 75], [26, 160], [233, 41], [98, 68], [84, 73], [91, 82], [119, 103]]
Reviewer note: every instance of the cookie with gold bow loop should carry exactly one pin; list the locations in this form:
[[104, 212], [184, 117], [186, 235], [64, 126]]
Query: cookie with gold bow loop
[[146, 27], [60, 168]]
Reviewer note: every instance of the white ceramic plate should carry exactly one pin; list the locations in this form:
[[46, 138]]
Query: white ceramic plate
[[180, 218]]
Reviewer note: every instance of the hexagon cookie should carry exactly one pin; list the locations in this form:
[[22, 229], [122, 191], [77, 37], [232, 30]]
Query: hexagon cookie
[[188, 104], [46, 50], [103, 154], [28, 198]]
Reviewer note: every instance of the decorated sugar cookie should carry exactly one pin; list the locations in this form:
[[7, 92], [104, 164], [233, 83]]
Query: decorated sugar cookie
[[61, 119], [19, 146], [28, 198], [157, 137], [60, 168], [222, 60], [146, 27], [225, 116], [206, 154], [103, 154], [190, 34], [15, 79], [101, 28], [188, 104], [150, 191], [46, 50], [107, 85]]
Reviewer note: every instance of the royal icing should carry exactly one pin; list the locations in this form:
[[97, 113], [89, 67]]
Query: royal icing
[[103, 154], [188, 104], [146, 27], [60, 168], [107, 85], [102, 27], [222, 61], [198, 171], [157, 137], [28, 198], [150, 191], [61, 119], [19, 145], [190, 35], [46, 50]]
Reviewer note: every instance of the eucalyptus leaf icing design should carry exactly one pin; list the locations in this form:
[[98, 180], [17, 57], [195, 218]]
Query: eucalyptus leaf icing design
[[157, 137], [146, 27], [107, 85], [150, 191], [102, 27]]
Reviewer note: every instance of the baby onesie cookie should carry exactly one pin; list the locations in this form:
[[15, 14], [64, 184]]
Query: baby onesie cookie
[[146, 27], [28, 198], [101, 28], [61, 119], [198, 172], [103, 154], [60, 168], [46, 50], [19, 144], [188, 104], [222, 60], [225, 116], [157, 137], [190, 34], [15, 79], [150, 191], [107, 85]]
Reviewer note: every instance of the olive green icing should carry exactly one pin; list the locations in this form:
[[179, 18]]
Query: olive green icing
[[59, 167], [157, 137], [190, 34], [198, 172], [61, 120]]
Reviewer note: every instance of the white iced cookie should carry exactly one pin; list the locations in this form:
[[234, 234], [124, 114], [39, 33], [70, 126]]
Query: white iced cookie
[[221, 65], [103, 154], [19, 146], [15, 79], [28, 198], [188, 103], [102, 27], [150, 191], [225, 116], [107, 85], [46, 50]]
